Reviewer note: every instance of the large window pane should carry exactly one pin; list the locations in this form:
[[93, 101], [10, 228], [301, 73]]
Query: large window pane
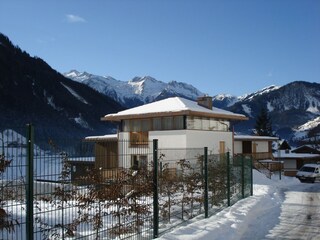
[[178, 122], [145, 125], [157, 124], [136, 125], [126, 125], [167, 123]]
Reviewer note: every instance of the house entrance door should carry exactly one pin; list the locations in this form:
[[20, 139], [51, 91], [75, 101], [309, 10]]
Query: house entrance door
[[246, 147]]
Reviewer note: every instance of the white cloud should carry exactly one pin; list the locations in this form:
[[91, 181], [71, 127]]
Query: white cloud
[[74, 19], [270, 73]]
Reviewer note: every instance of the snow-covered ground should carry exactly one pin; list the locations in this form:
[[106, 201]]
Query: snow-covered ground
[[278, 209]]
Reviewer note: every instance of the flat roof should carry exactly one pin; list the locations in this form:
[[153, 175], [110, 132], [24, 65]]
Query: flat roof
[[256, 138], [284, 154], [110, 137], [172, 107]]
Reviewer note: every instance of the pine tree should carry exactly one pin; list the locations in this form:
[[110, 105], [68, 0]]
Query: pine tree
[[263, 124]]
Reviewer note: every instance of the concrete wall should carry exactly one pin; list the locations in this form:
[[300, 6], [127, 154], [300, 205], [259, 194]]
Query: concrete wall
[[237, 147]]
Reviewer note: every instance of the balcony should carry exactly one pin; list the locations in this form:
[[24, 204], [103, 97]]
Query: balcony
[[139, 139]]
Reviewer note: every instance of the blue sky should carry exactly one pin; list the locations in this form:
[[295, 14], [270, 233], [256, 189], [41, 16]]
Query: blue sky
[[233, 47]]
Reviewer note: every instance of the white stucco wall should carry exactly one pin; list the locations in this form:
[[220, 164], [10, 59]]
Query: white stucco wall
[[237, 147], [169, 139], [178, 141], [126, 151], [193, 139], [261, 146]]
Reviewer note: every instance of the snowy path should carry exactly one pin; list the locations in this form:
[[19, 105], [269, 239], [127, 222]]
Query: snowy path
[[300, 215], [285, 209]]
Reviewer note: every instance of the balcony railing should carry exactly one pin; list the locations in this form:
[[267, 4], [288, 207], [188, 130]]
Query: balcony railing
[[265, 167], [139, 139]]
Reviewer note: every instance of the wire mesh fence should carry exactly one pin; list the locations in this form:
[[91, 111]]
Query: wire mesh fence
[[103, 188], [193, 183]]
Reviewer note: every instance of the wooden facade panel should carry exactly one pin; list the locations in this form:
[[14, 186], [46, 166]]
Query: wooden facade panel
[[106, 155]]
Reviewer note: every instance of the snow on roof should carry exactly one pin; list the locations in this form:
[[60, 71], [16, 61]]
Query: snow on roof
[[172, 106], [284, 154], [249, 137], [312, 146], [81, 159], [101, 138]]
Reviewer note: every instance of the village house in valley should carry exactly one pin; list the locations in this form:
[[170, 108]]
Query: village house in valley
[[177, 123], [261, 150]]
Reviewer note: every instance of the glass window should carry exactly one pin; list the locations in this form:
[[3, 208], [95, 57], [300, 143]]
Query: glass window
[[167, 123], [145, 125], [178, 122], [138, 162], [157, 124], [139, 138], [126, 125], [136, 125]]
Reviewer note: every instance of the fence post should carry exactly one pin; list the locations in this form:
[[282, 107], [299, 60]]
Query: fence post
[[29, 185], [206, 200], [242, 177], [228, 179], [155, 190], [251, 169]]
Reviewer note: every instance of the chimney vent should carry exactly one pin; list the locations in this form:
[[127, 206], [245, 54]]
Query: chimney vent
[[205, 101]]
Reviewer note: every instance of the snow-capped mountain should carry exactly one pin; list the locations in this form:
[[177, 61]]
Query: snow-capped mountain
[[291, 108], [227, 100], [301, 132], [261, 92], [32, 92], [137, 91]]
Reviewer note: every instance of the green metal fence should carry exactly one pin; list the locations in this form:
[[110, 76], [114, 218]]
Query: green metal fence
[[193, 182], [106, 189]]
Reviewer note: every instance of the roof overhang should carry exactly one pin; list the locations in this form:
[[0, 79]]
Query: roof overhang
[[254, 138], [103, 138], [119, 117]]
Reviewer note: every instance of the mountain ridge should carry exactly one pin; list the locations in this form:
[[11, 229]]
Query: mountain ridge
[[32, 92], [289, 106], [137, 91]]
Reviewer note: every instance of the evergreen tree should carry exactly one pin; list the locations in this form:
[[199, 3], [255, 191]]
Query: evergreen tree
[[263, 124]]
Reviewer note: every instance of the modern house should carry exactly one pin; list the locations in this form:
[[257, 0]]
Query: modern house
[[293, 161], [260, 149], [177, 123]]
